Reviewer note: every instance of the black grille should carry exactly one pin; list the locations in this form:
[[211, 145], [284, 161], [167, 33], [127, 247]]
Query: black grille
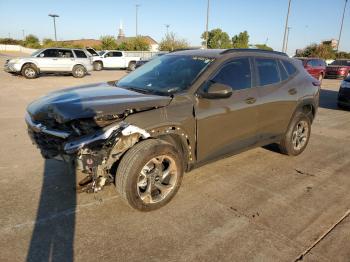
[[49, 146]]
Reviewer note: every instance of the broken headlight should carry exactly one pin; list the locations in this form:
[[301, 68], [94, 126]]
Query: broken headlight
[[106, 120]]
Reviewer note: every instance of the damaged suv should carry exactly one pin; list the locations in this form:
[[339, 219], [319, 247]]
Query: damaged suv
[[176, 112]]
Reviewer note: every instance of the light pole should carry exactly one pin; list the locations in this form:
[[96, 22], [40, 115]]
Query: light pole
[[206, 27], [137, 9], [54, 23], [341, 25], [24, 35], [167, 29], [286, 28]]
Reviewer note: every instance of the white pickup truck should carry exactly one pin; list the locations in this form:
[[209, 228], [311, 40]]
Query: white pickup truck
[[112, 59]]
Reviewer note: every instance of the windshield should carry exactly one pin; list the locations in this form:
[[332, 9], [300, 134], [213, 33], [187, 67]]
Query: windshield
[[166, 75], [36, 53]]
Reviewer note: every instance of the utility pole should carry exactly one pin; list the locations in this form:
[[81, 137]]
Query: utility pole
[[167, 29], [341, 25], [54, 23], [206, 27], [286, 28], [24, 35], [137, 9]]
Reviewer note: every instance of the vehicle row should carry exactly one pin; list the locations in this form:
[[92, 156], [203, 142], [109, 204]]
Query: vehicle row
[[75, 61], [318, 68]]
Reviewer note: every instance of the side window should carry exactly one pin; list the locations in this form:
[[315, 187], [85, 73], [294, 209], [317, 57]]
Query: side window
[[117, 54], [283, 72], [290, 68], [80, 54], [267, 71], [49, 53], [236, 74], [109, 54], [65, 53]]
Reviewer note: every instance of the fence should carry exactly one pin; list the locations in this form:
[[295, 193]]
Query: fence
[[18, 48]]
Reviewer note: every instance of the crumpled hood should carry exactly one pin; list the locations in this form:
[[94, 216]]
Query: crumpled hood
[[92, 100]]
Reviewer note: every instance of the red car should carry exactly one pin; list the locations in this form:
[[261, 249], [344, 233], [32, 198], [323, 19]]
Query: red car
[[316, 67], [340, 68]]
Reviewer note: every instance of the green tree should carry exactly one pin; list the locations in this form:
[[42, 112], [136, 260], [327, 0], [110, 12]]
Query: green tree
[[108, 42], [31, 41], [241, 40], [217, 39], [264, 47], [170, 43], [324, 51], [48, 42]]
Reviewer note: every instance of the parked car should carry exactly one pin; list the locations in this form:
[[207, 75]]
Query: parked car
[[344, 93], [144, 61], [316, 67], [340, 68], [51, 60], [114, 59], [175, 113]]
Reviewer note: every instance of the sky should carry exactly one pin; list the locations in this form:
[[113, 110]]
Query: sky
[[311, 21]]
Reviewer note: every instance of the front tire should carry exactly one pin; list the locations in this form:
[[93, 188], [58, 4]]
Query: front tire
[[29, 71], [98, 66], [297, 136], [79, 71], [149, 175]]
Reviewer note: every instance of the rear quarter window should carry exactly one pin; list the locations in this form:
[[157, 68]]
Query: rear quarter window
[[289, 67], [80, 54], [268, 71]]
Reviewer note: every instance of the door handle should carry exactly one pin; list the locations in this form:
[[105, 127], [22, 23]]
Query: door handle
[[54, 58], [292, 91], [250, 100]]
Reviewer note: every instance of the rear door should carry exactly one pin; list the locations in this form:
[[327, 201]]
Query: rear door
[[277, 96], [228, 124], [113, 59], [66, 60]]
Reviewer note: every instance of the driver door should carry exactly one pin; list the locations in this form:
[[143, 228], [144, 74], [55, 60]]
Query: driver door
[[114, 59], [228, 124]]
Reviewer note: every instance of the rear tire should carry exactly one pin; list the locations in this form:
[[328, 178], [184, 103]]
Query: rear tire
[[132, 66], [297, 136], [98, 66], [29, 71], [149, 174], [79, 71]]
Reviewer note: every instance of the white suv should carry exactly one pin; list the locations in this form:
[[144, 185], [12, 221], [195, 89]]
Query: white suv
[[65, 60]]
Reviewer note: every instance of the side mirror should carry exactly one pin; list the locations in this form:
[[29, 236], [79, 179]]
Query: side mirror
[[41, 55], [216, 91]]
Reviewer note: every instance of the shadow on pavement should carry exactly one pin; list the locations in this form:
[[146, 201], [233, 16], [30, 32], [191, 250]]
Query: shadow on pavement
[[53, 234]]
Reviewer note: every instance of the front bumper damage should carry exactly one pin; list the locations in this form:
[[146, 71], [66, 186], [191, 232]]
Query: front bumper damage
[[94, 154]]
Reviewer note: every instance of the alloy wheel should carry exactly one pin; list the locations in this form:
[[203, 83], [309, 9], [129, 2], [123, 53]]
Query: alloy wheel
[[300, 135], [157, 179]]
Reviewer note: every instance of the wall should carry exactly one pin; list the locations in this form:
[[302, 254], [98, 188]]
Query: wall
[[17, 48]]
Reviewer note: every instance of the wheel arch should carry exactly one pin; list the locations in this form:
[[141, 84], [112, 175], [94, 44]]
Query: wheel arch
[[31, 63]]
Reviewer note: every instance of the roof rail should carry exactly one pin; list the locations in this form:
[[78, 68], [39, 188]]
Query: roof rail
[[233, 50], [184, 49]]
